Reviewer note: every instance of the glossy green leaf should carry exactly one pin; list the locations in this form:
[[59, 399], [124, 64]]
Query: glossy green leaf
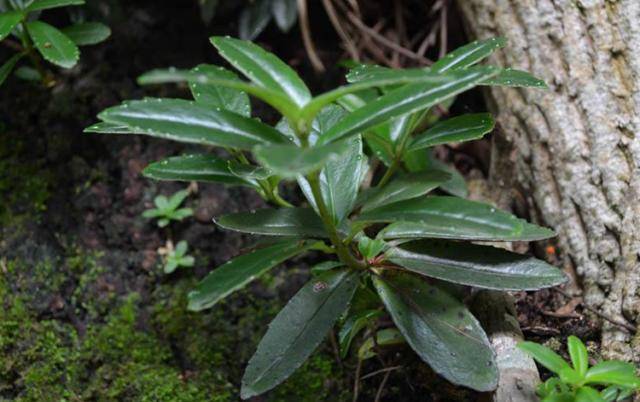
[[381, 146], [8, 21], [298, 329], [468, 55], [457, 129], [109, 128], [352, 326], [579, 355], [613, 372], [405, 187], [218, 96], [325, 266], [474, 265], [298, 222], [291, 160], [440, 330], [545, 356], [263, 68], [457, 185], [241, 270], [202, 168], [8, 66], [384, 337], [46, 4], [87, 33], [587, 394], [407, 99], [53, 45], [452, 218], [254, 19], [272, 97], [327, 118], [570, 376], [285, 13], [370, 248], [187, 121], [250, 172], [510, 77]]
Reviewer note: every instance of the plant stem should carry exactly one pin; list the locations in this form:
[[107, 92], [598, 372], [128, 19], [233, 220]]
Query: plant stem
[[341, 249], [389, 173], [35, 60], [270, 193]]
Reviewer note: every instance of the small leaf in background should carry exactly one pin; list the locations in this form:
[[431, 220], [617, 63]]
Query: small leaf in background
[[217, 96], [8, 21], [203, 168], [469, 54], [545, 356], [440, 330], [241, 270], [298, 329], [579, 355], [254, 19], [457, 185], [298, 222], [370, 248], [285, 13], [475, 265], [457, 129], [384, 337], [290, 160], [178, 258], [353, 325], [510, 77], [208, 10], [263, 68], [87, 33], [46, 4], [53, 45], [8, 66], [325, 266], [190, 122]]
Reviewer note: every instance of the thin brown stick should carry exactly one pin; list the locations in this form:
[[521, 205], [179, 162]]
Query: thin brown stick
[[443, 31], [384, 370], [342, 33], [600, 314], [356, 383], [12, 45], [306, 37], [334, 346], [381, 387], [386, 42]]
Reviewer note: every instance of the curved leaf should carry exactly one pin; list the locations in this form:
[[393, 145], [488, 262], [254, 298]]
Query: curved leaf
[[613, 372], [87, 33], [298, 222], [510, 77], [579, 355], [384, 337], [241, 270], [353, 325], [452, 218], [545, 356], [217, 96], [203, 168], [263, 68], [291, 160], [109, 128], [250, 172], [407, 99], [468, 55], [187, 121], [46, 4], [440, 330], [405, 187], [8, 21], [8, 66], [285, 12], [457, 129], [473, 265], [298, 329], [254, 19], [53, 45]]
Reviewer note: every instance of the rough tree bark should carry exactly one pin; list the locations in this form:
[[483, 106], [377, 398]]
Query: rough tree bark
[[577, 145]]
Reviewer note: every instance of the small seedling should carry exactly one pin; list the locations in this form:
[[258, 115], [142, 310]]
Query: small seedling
[[38, 40], [167, 209], [607, 381], [178, 258]]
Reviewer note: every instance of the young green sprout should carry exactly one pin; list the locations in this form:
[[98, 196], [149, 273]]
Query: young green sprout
[[168, 209], [607, 381], [178, 257], [391, 244], [37, 40]]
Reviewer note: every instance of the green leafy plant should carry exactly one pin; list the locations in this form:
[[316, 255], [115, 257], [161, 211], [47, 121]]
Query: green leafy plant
[[178, 258], [256, 15], [168, 209], [578, 382], [396, 245], [38, 40]]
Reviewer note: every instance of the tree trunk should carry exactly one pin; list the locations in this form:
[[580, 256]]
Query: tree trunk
[[577, 145]]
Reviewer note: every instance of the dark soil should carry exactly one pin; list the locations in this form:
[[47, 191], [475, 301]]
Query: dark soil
[[87, 312]]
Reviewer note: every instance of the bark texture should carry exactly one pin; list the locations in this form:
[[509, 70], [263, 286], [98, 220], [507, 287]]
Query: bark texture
[[577, 145]]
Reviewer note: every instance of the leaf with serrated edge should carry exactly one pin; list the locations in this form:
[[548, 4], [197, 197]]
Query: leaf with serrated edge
[[474, 265], [405, 187], [190, 122], [457, 129], [53, 45], [8, 21], [440, 329], [290, 160], [241, 270], [87, 33], [298, 329], [218, 96], [296, 222], [202, 168], [469, 54]]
